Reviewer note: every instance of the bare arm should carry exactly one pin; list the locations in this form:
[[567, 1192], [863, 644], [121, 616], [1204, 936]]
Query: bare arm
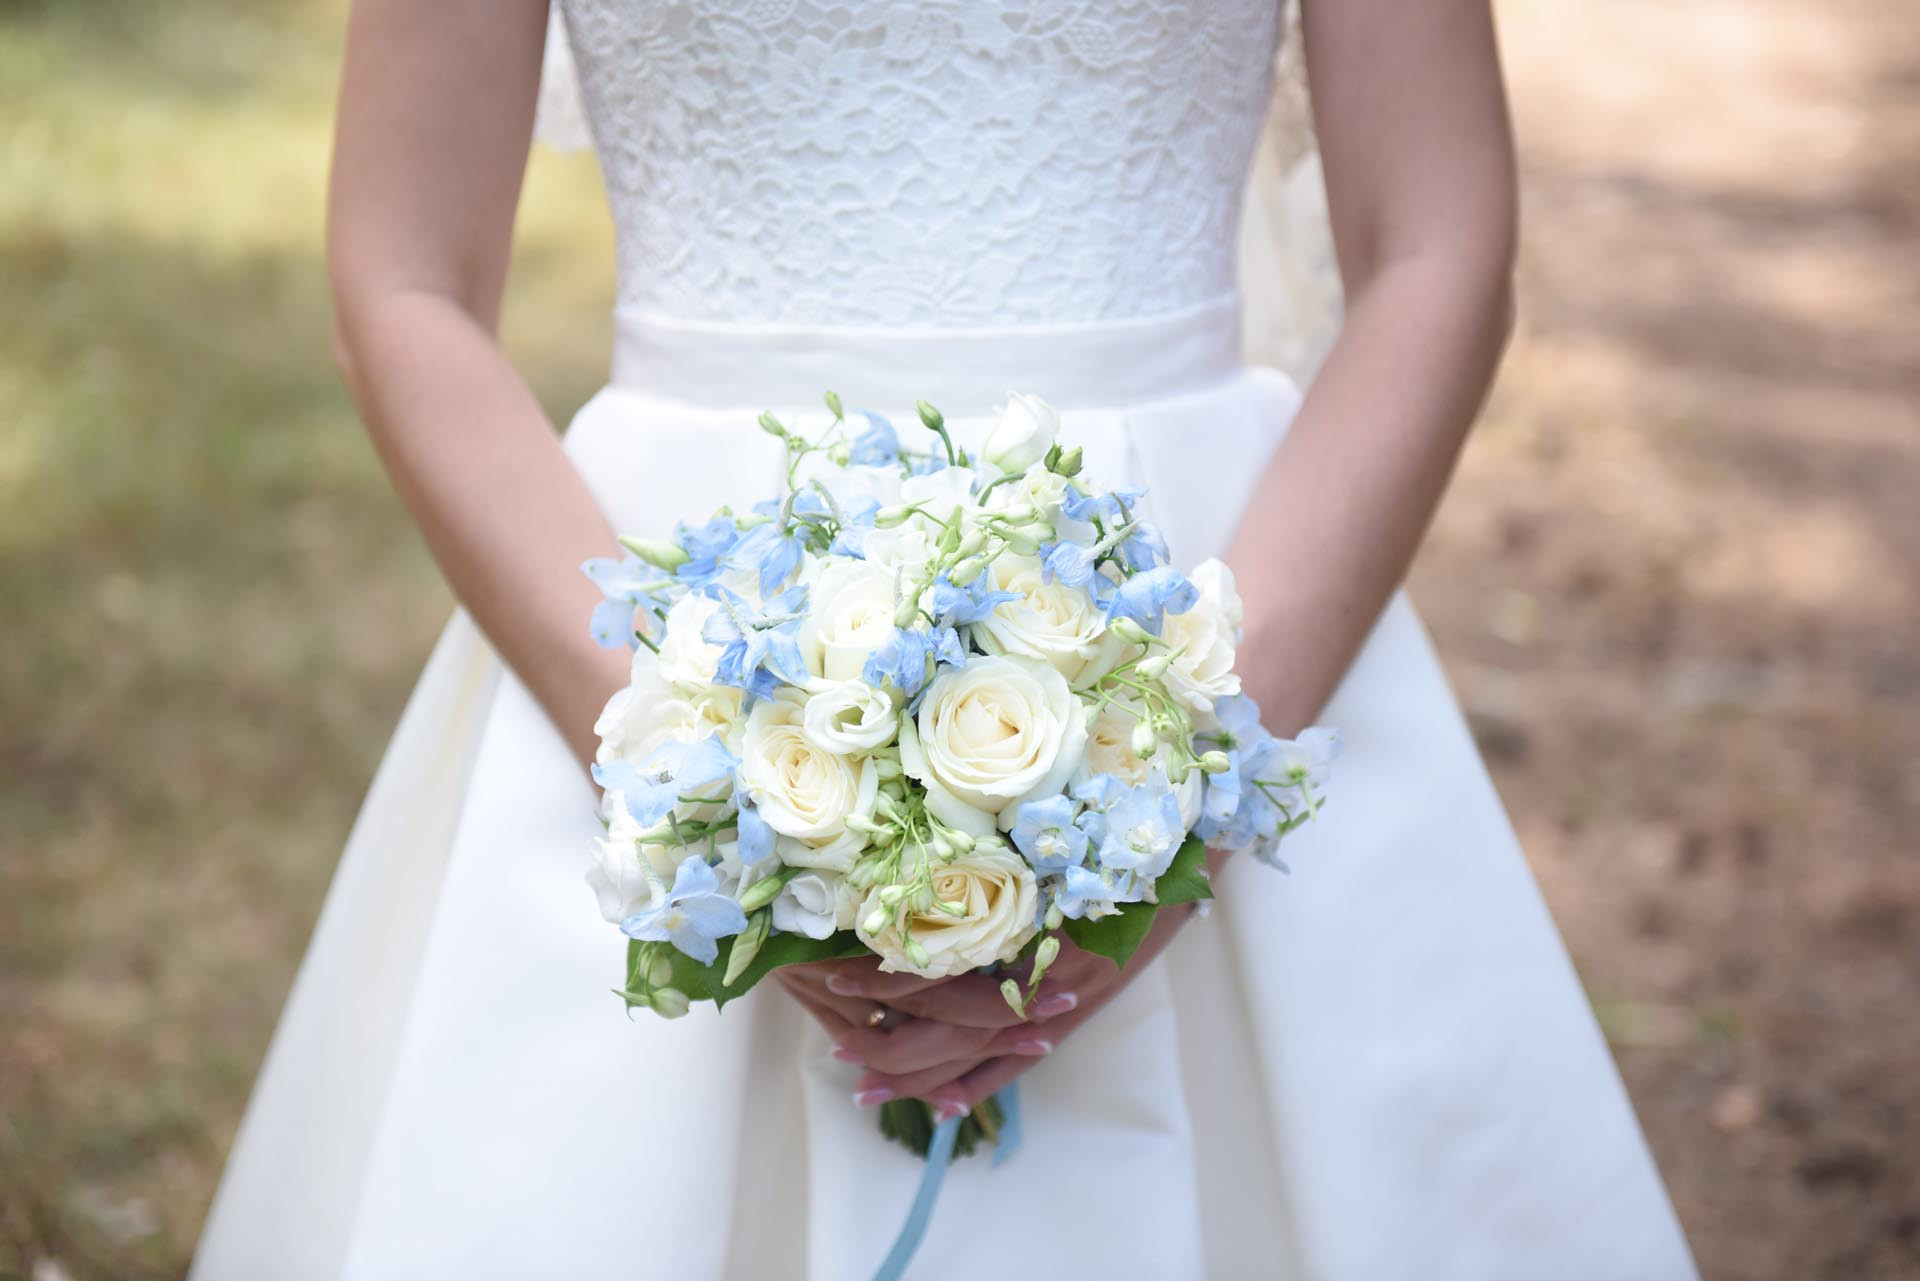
[[435, 116], [1420, 177]]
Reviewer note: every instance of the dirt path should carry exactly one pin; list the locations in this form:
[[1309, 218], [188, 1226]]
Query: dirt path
[[1677, 588]]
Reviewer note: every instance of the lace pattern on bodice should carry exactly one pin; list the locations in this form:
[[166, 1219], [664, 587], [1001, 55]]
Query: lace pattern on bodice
[[936, 164]]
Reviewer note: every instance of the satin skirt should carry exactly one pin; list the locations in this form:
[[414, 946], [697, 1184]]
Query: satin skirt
[[1381, 1066]]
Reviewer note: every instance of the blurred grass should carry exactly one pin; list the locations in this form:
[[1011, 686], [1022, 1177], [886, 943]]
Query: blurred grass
[[212, 605]]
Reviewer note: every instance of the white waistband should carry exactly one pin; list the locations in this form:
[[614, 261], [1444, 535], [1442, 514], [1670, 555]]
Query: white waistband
[[1096, 365]]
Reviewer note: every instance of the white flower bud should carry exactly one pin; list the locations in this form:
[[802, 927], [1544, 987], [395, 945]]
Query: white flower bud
[[1045, 955], [1145, 741], [876, 921], [1010, 990], [656, 552], [1154, 666], [1128, 630], [1215, 762], [967, 570], [760, 893], [669, 1002]]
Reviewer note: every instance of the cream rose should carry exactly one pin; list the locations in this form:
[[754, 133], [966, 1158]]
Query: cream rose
[[803, 792], [1202, 642], [848, 717], [996, 890], [1025, 431], [1058, 624], [850, 611], [997, 731], [1110, 751]]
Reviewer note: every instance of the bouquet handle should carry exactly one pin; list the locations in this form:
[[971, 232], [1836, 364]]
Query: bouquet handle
[[939, 1156]]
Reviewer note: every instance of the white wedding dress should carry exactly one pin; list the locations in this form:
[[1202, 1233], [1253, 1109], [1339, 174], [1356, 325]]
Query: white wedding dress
[[1382, 1066]]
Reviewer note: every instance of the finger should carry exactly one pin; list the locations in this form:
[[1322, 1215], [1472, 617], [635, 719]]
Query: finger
[[863, 977], [1021, 1043], [975, 1000], [850, 1010], [922, 1044], [982, 1083]]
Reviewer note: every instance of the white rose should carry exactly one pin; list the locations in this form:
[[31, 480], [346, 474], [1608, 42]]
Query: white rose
[[851, 484], [995, 888], [1110, 751], [1202, 642], [649, 712], [1051, 621], [997, 731], [939, 494], [903, 552], [686, 657], [804, 793], [815, 904], [621, 863], [849, 717], [1024, 433], [849, 612]]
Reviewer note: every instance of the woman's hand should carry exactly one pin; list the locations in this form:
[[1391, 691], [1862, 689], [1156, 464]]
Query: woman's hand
[[955, 1042]]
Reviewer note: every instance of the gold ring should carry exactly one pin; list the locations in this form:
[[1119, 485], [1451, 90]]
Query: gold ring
[[878, 1018]]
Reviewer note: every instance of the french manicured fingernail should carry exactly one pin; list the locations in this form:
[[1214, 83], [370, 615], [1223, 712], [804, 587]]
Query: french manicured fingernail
[[948, 1111], [872, 1098], [1059, 1003], [1034, 1048], [845, 1055], [840, 985]]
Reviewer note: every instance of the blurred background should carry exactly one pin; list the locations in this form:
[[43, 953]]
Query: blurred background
[[1676, 585]]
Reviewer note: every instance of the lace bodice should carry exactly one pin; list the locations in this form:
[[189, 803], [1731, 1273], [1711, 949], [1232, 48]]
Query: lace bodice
[[926, 163]]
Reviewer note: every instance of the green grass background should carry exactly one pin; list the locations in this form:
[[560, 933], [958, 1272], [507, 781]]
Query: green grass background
[[211, 605]]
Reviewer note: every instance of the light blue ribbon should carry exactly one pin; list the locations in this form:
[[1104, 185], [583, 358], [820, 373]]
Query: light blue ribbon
[[939, 1157]]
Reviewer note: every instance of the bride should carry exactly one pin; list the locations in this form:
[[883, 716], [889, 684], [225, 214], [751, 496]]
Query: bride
[[1382, 1067]]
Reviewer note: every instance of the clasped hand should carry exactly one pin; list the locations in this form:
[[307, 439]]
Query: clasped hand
[[955, 1042]]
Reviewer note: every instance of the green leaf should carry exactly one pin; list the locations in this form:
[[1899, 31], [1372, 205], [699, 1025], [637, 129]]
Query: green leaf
[[708, 982], [1185, 880], [1115, 937]]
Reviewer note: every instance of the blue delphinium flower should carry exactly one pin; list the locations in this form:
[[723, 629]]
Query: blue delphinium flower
[[1095, 892], [943, 643], [706, 547], [770, 551], [1045, 832], [958, 606], [1143, 831], [760, 648], [856, 522], [878, 445], [1145, 548], [1070, 563], [1113, 505], [693, 916], [1147, 598], [756, 836], [901, 658], [627, 584], [675, 768]]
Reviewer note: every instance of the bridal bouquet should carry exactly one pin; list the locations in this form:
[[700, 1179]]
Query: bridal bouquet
[[935, 708]]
